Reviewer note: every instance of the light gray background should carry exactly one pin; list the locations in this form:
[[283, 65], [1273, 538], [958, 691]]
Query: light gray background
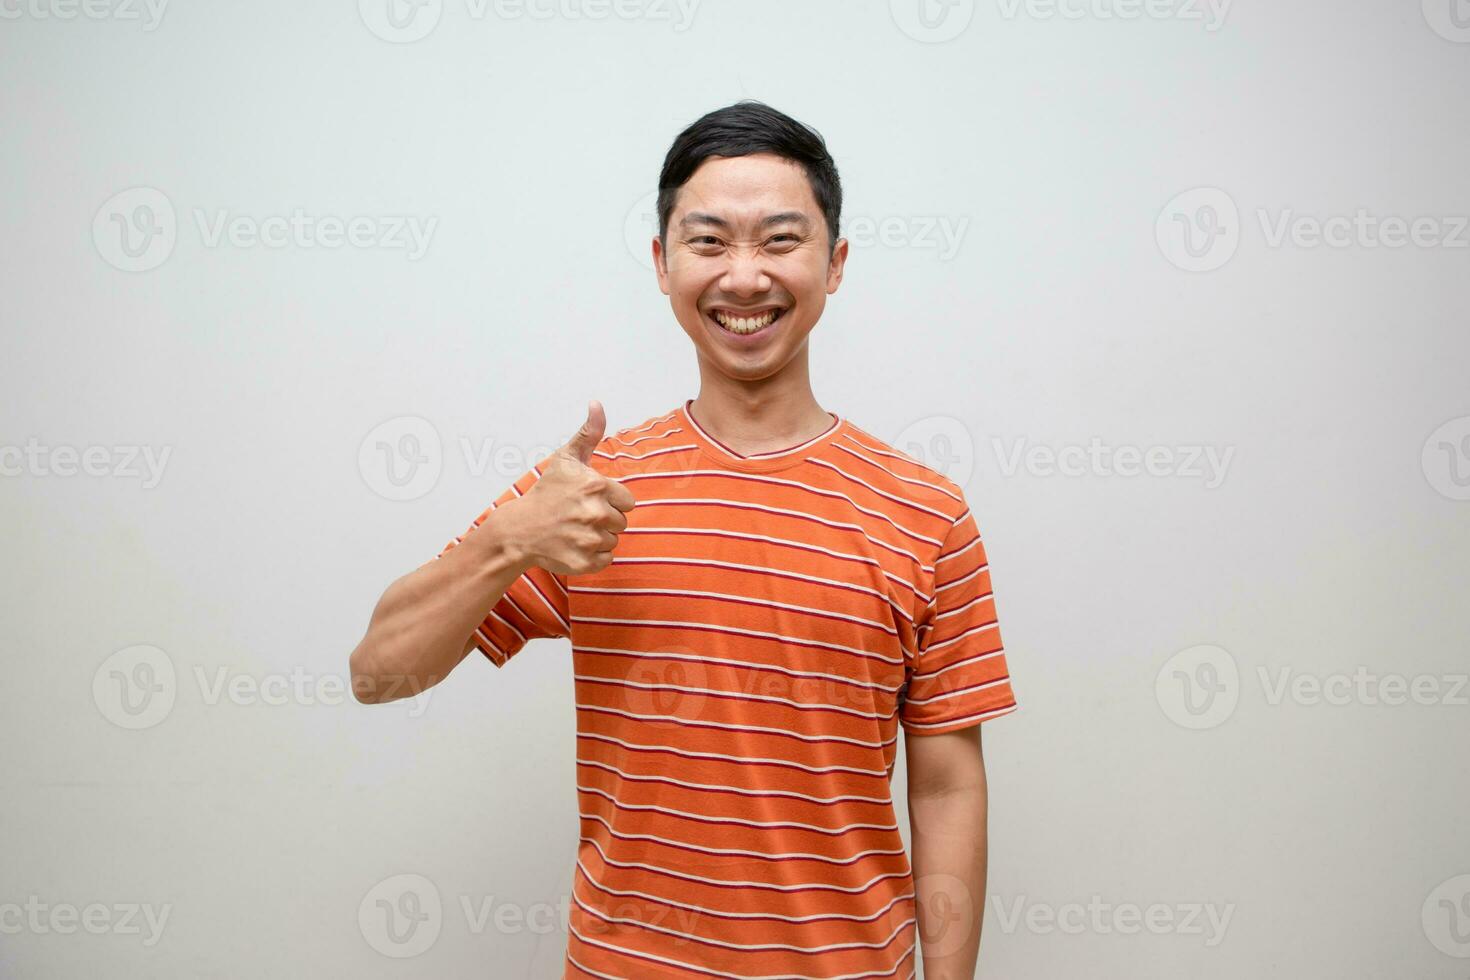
[[1336, 540]]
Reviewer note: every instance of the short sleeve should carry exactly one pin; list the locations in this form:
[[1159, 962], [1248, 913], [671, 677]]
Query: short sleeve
[[535, 605], [959, 676]]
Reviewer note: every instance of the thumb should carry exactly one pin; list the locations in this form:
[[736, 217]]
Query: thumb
[[580, 446]]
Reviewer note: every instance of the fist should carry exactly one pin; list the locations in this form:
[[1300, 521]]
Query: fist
[[572, 515]]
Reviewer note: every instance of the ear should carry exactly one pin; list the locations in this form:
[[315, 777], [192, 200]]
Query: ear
[[660, 266], [836, 265]]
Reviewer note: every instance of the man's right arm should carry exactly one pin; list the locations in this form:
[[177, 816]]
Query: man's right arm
[[424, 624]]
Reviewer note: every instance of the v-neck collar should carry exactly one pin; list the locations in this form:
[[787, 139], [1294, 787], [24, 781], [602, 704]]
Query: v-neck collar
[[759, 462]]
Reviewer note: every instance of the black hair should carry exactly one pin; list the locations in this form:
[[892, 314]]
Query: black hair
[[746, 127]]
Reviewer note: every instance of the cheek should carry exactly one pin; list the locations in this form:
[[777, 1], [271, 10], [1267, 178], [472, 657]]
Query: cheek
[[688, 284], [802, 275]]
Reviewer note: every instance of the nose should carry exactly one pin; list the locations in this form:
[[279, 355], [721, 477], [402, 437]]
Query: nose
[[745, 273]]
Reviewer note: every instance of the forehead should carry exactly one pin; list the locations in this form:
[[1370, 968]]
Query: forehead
[[747, 188]]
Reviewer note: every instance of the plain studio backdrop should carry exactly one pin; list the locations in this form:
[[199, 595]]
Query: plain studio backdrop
[[1177, 292]]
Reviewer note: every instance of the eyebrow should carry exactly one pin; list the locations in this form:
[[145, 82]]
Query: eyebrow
[[780, 218]]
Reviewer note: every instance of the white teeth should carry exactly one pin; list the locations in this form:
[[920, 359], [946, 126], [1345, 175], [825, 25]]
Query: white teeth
[[746, 324]]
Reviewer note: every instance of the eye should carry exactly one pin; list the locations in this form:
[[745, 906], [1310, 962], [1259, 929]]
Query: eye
[[785, 239]]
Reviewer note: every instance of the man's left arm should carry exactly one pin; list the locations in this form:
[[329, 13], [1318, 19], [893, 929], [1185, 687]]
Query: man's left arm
[[947, 801], [958, 679]]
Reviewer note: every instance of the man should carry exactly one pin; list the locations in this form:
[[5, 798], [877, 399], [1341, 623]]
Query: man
[[758, 594]]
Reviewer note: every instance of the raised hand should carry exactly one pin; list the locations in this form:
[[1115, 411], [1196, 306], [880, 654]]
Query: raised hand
[[569, 521]]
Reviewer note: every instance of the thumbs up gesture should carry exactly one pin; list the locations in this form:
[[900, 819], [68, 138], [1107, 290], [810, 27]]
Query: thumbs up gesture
[[569, 521]]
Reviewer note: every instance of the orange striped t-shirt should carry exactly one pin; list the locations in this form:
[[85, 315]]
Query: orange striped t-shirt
[[741, 670]]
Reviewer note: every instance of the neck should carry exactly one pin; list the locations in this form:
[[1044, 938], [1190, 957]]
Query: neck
[[760, 416]]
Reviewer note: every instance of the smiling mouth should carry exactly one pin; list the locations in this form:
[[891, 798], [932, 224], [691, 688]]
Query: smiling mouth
[[744, 323]]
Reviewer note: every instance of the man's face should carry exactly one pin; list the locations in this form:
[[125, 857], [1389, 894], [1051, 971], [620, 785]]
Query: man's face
[[748, 241]]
